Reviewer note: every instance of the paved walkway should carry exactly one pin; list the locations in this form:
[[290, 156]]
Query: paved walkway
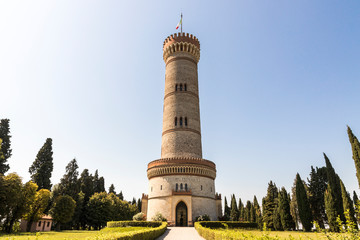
[[180, 233]]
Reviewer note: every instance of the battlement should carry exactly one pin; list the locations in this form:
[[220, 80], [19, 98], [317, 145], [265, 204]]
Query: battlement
[[181, 37], [144, 196], [218, 196]]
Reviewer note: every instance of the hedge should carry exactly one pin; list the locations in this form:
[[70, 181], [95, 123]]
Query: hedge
[[150, 233], [208, 229], [133, 224]]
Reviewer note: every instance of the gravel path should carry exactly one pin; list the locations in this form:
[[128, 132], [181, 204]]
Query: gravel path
[[180, 233]]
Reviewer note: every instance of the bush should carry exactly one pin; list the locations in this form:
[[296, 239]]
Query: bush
[[133, 224], [139, 217], [143, 234], [204, 217], [159, 217]]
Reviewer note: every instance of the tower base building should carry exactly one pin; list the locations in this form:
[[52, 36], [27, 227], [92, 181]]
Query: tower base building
[[181, 183]]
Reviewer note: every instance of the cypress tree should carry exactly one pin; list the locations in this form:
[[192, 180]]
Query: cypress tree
[[42, 167], [294, 207], [269, 205], [241, 211], [347, 203], [121, 196], [112, 189], [248, 211], [5, 145], [277, 218], [226, 210], [355, 146], [86, 185], [258, 217], [284, 209], [139, 205], [234, 213], [334, 183], [317, 187], [356, 204], [330, 208], [303, 204]]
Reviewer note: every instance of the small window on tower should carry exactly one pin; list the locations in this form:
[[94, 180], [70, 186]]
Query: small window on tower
[[180, 87], [186, 187], [177, 187], [201, 187], [176, 86], [185, 87], [181, 121], [186, 121], [151, 188], [175, 121], [160, 187], [181, 186]]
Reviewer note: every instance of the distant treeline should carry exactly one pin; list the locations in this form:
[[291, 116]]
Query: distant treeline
[[321, 201]]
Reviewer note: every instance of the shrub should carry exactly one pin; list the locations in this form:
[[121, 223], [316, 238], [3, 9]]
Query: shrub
[[204, 217], [139, 217], [159, 217], [133, 224]]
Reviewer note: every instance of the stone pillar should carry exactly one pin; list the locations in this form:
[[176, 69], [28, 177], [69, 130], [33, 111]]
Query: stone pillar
[[144, 203]]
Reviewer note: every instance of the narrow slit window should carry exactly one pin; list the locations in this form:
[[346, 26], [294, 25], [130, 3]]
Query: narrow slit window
[[186, 187], [177, 187], [176, 87], [151, 188], [175, 121], [181, 87], [39, 223], [185, 87], [181, 186], [160, 187], [201, 187], [186, 121], [181, 121]]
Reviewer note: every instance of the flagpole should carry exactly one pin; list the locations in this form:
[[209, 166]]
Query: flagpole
[[181, 23]]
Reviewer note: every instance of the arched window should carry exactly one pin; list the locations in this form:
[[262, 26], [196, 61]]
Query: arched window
[[177, 187], [176, 86], [180, 121], [185, 87], [186, 121], [175, 121], [186, 187], [181, 186], [180, 86]]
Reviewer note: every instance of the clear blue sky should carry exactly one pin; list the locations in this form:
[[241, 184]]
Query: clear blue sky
[[279, 82]]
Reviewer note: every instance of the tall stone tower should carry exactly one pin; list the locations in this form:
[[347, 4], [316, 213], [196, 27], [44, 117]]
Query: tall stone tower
[[181, 182]]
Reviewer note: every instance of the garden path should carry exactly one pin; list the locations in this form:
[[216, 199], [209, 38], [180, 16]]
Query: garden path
[[180, 233]]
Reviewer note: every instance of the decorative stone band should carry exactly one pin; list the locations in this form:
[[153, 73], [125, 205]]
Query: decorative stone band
[[182, 192], [181, 92], [181, 58], [182, 166], [181, 47], [180, 129]]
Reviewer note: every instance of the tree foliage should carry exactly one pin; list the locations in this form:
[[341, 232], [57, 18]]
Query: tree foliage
[[348, 204], [284, 208], [355, 147], [69, 183], [269, 205], [303, 204], [63, 210], [42, 167], [37, 208], [234, 213], [5, 145]]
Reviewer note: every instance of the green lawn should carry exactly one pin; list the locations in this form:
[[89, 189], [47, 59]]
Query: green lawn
[[66, 234]]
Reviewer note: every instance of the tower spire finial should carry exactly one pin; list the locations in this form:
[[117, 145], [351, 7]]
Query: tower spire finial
[[181, 22]]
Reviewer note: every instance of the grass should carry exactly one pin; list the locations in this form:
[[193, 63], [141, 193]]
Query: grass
[[73, 234]]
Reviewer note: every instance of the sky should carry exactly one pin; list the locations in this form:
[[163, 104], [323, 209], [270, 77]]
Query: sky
[[278, 83]]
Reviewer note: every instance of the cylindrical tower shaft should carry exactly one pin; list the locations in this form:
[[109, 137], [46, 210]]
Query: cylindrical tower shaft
[[181, 135]]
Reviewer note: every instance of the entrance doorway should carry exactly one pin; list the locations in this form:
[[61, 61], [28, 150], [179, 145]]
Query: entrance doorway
[[181, 215]]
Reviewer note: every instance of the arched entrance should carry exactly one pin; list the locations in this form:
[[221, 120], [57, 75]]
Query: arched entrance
[[181, 214]]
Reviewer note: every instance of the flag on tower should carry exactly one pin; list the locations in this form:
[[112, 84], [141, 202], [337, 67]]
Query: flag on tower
[[180, 23]]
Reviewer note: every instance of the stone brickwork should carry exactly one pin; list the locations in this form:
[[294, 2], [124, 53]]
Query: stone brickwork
[[181, 177]]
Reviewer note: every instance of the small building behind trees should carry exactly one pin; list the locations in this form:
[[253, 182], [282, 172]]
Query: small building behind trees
[[42, 225]]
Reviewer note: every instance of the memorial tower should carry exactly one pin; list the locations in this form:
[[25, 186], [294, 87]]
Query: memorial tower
[[181, 182]]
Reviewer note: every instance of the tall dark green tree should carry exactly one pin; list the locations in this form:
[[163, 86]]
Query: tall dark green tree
[[330, 208], [121, 196], [334, 183], [5, 145], [294, 207], [284, 208], [347, 203], [112, 189], [234, 213], [356, 206], [248, 211], [226, 210], [277, 218], [138, 204], [241, 210], [258, 216], [69, 183], [303, 204], [355, 146], [269, 205], [99, 183], [317, 186], [42, 167], [86, 184]]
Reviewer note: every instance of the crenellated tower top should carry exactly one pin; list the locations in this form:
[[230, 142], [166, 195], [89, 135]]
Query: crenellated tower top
[[181, 42]]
